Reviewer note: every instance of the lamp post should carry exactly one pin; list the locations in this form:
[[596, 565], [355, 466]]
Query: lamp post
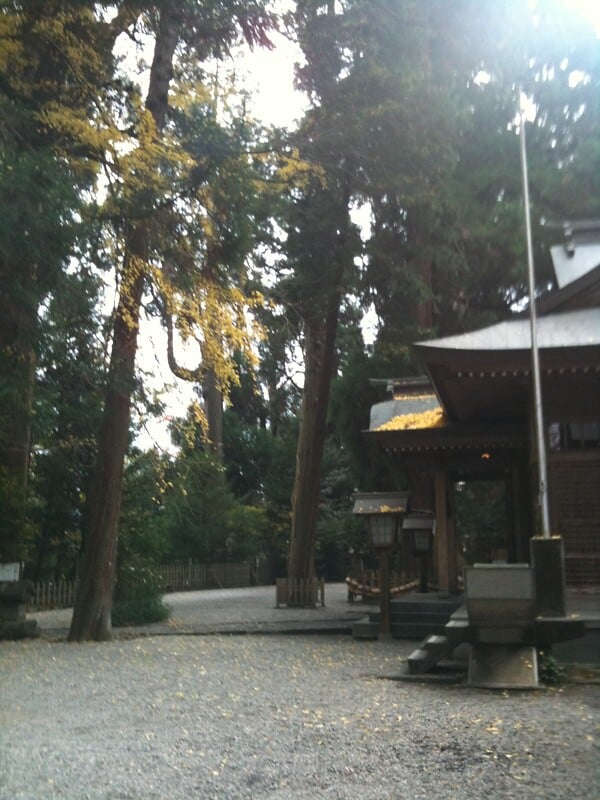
[[382, 510], [382, 529], [421, 527]]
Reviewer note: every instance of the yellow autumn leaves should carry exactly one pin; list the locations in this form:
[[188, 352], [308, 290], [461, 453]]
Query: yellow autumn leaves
[[433, 418]]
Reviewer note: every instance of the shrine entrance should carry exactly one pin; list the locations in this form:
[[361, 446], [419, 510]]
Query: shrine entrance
[[483, 527]]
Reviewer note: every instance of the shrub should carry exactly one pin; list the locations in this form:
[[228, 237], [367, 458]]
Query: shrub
[[551, 672], [138, 600]]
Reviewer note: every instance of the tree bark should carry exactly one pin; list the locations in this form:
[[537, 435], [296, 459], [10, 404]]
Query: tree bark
[[320, 338], [321, 325], [18, 318], [213, 407], [92, 612]]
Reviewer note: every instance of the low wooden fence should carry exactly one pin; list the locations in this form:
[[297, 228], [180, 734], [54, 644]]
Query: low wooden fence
[[174, 578], [192, 576], [52, 594]]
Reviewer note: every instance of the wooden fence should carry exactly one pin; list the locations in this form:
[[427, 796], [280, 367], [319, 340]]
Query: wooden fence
[[52, 594], [191, 576], [174, 578]]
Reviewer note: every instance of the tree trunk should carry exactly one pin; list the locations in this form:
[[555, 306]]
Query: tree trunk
[[91, 616], [18, 318], [92, 613], [319, 365], [213, 406]]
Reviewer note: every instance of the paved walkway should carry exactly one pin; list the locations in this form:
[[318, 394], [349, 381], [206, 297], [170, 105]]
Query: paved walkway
[[248, 610]]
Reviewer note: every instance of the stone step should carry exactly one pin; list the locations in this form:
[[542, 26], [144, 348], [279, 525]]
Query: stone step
[[442, 611], [425, 618], [434, 649], [428, 603], [365, 628], [457, 631], [415, 630], [438, 646], [420, 661]]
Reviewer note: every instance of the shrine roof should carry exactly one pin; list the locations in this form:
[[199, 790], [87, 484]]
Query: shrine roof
[[383, 413], [579, 328], [570, 267], [579, 254]]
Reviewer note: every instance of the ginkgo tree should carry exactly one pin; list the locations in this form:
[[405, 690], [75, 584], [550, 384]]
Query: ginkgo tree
[[191, 291]]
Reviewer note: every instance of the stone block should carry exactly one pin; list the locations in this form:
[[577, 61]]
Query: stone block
[[496, 667], [500, 595]]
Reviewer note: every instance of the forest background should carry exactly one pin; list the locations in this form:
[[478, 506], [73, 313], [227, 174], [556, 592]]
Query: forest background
[[259, 250]]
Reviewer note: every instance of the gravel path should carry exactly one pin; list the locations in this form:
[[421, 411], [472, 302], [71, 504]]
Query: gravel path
[[232, 610], [277, 717]]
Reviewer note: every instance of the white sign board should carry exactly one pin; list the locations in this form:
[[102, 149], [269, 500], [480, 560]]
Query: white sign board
[[10, 571]]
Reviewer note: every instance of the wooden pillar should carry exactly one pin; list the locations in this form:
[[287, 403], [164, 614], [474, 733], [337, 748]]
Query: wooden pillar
[[445, 535]]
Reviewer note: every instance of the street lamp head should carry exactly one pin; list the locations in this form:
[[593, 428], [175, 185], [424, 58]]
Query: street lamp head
[[382, 528], [421, 526], [382, 510]]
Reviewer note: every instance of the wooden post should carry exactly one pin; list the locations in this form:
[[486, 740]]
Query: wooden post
[[385, 625], [445, 537]]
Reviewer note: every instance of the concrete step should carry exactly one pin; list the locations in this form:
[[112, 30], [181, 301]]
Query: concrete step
[[457, 631], [434, 602], [365, 628], [415, 630], [414, 617], [438, 646], [433, 649], [423, 617], [420, 661]]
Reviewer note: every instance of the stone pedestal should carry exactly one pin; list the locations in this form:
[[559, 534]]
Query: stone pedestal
[[503, 667], [13, 606]]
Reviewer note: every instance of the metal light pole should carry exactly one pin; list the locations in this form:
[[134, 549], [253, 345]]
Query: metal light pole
[[537, 384]]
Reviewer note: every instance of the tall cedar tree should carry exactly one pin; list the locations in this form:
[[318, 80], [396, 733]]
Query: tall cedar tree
[[381, 127]]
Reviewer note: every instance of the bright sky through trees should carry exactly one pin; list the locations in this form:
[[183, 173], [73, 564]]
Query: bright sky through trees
[[590, 9], [269, 76]]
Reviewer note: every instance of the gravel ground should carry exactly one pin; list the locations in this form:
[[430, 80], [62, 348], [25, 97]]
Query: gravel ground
[[277, 717]]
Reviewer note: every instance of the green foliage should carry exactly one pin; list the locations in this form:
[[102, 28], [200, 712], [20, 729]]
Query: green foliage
[[140, 529], [137, 598], [339, 534], [481, 519], [198, 505], [249, 531], [68, 406], [551, 672], [236, 513]]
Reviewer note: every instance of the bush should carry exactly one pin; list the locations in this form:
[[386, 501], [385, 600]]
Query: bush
[[139, 610], [551, 672], [138, 599]]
